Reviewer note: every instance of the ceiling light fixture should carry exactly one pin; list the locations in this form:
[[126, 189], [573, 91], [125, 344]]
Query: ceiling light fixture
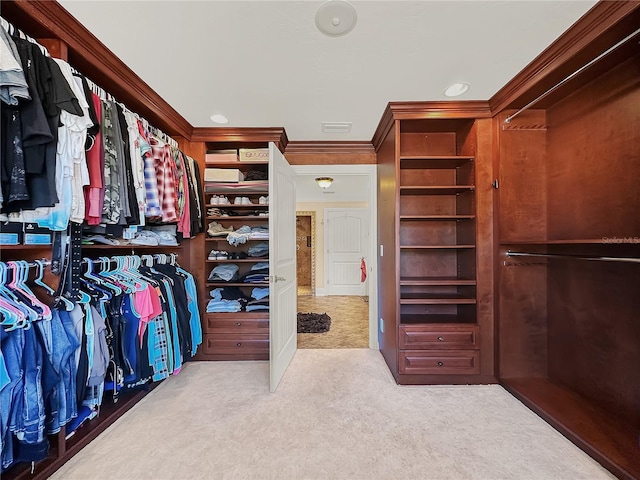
[[336, 18], [324, 182], [456, 89], [219, 118]]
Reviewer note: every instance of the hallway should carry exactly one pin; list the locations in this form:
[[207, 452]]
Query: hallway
[[349, 321]]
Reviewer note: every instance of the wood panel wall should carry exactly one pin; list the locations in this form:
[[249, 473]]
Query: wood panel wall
[[388, 265]]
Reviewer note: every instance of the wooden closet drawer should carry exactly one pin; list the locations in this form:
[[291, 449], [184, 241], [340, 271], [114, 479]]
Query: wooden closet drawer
[[236, 325], [439, 337], [452, 362], [228, 344]]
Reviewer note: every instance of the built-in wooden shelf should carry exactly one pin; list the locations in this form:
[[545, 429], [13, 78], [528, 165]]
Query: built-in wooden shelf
[[437, 217], [436, 281], [416, 318], [435, 299], [237, 164], [240, 315], [583, 241], [608, 439], [100, 246], [239, 218], [244, 260], [433, 162], [436, 189], [224, 238], [236, 207], [435, 247]]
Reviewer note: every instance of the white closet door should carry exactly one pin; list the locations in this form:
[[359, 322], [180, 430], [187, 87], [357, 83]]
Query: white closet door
[[282, 265], [346, 238]]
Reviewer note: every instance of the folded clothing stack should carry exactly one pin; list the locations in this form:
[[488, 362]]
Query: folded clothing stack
[[225, 273], [260, 302], [259, 250], [218, 304], [259, 273]]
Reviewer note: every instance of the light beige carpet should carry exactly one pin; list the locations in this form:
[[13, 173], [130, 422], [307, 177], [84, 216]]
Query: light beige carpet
[[337, 414], [349, 322]]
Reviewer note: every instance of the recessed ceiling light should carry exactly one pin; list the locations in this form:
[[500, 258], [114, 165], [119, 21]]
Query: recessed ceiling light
[[219, 118], [456, 89]]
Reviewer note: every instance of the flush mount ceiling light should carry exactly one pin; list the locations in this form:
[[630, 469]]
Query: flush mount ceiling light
[[324, 182], [456, 89], [336, 18], [219, 118]]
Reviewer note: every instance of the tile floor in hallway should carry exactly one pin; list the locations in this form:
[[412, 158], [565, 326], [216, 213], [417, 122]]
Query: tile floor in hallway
[[349, 321]]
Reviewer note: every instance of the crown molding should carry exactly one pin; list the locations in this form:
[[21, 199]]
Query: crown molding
[[90, 56], [277, 135], [598, 29]]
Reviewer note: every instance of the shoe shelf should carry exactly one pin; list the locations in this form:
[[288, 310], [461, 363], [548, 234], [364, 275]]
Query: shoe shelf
[[239, 217], [237, 206], [237, 284], [244, 260], [224, 238]]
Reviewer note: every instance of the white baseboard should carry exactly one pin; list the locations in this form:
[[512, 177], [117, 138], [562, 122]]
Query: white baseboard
[[321, 292]]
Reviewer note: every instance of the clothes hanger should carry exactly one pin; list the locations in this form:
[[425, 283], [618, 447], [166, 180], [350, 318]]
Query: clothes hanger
[[39, 281], [23, 277]]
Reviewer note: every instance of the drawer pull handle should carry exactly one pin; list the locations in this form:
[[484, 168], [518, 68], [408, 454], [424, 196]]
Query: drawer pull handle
[[441, 364], [238, 344], [239, 323], [441, 339]]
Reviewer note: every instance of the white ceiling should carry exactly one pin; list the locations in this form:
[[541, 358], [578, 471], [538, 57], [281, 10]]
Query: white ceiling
[[345, 188], [264, 63]]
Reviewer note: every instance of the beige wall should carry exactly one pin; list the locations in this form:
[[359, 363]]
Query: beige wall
[[318, 208]]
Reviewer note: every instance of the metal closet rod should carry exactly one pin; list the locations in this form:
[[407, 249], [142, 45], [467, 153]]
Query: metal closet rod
[[574, 257], [577, 72]]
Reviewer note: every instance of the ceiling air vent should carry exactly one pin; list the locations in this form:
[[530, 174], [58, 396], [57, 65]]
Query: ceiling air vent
[[336, 127]]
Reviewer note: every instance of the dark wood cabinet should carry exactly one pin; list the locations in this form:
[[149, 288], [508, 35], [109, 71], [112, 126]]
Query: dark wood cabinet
[[568, 262], [434, 326]]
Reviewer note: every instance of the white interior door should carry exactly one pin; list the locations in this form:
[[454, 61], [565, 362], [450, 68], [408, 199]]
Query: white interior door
[[346, 241], [282, 265]]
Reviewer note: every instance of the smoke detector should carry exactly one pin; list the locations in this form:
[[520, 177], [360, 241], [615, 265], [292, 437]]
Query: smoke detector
[[336, 18]]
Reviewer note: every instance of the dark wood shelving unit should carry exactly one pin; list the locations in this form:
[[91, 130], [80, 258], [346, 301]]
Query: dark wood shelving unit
[[235, 335], [433, 286]]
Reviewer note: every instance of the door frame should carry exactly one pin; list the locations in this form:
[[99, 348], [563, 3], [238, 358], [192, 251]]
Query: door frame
[[364, 210], [369, 171], [311, 214]]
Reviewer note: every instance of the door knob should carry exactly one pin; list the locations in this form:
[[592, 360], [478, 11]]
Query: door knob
[[279, 279]]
